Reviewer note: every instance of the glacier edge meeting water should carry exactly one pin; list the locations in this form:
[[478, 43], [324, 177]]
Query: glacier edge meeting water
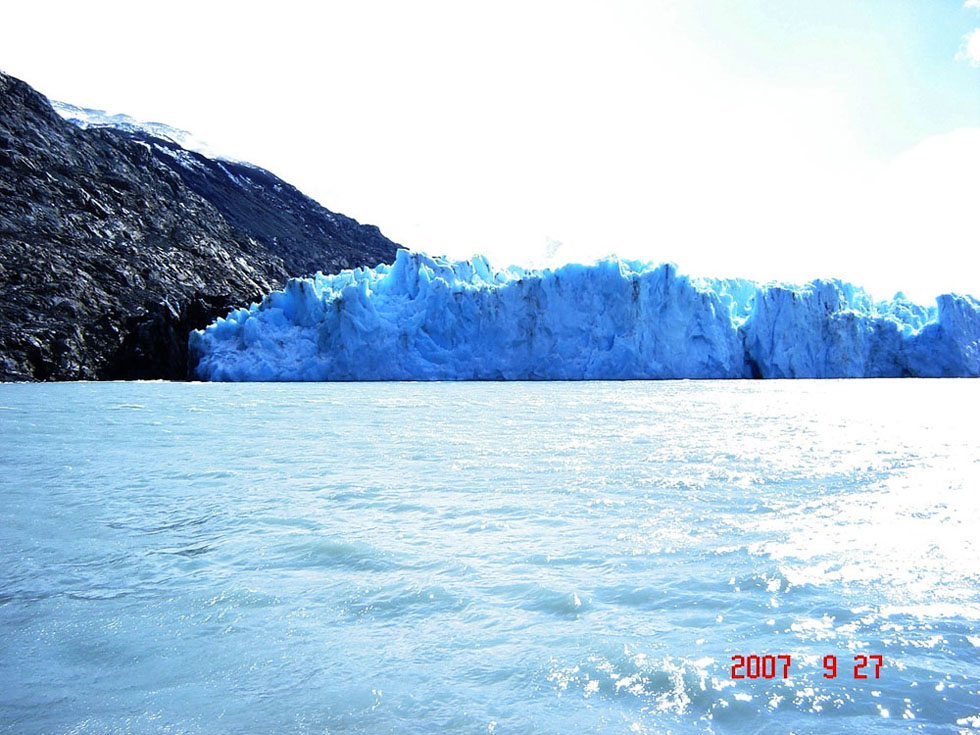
[[429, 318]]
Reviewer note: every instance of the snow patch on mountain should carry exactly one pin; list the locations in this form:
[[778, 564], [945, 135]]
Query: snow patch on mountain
[[86, 118]]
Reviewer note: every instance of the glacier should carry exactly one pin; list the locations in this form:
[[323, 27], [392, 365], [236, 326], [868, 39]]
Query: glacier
[[430, 318]]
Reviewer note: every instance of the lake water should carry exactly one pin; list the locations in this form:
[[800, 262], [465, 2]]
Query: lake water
[[489, 557]]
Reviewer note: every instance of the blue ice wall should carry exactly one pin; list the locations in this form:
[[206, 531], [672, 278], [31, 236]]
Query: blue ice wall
[[425, 318]]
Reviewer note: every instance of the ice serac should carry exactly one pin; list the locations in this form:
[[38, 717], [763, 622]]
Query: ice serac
[[825, 329], [427, 318], [830, 329]]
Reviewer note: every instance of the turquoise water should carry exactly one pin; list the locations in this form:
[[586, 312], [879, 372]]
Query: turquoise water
[[488, 557]]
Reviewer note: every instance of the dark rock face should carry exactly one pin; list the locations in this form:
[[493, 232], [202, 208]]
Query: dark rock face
[[274, 213], [114, 245]]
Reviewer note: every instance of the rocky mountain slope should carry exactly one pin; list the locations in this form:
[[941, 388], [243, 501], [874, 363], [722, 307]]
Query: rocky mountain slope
[[114, 244]]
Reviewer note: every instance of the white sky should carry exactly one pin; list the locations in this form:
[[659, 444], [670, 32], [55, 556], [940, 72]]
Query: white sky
[[760, 138]]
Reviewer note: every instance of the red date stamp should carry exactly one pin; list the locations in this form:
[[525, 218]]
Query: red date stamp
[[771, 667]]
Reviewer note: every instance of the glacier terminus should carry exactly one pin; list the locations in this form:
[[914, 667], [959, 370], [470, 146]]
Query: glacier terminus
[[430, 318]]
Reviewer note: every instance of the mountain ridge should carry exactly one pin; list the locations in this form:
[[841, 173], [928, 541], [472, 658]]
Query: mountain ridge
[[114, 244]]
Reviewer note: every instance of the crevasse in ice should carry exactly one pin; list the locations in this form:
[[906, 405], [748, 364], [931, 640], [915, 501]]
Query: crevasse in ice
[[428, 318]]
